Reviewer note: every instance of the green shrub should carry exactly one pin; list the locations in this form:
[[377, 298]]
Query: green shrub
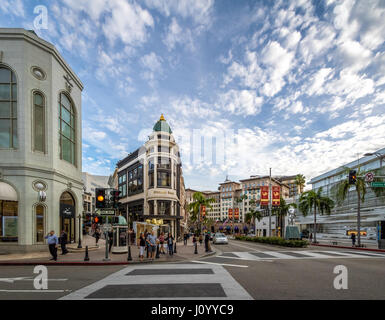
[[275, 241]]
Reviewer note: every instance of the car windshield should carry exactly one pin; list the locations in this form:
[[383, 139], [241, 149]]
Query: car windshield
[[220, 235]]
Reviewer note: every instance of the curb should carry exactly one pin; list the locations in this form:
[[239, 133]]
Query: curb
[[101, 263], [343, 247]]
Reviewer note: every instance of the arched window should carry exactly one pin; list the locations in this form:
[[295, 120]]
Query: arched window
[[38, 122], [66, 129], [39, 214], [8, 108]]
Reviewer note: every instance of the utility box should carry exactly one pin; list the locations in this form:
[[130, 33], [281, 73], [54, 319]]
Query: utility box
[[292, 233]]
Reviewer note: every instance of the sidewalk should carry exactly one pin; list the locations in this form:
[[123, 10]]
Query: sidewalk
[[97, 255]]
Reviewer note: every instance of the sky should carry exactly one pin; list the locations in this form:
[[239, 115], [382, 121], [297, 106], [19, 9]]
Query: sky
[[296, 86]]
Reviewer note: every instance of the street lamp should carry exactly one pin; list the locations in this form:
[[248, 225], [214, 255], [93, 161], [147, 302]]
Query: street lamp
[[80, 224], [377, 154]]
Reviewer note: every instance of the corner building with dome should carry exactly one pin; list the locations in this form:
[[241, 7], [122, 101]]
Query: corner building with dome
[[151, 182]]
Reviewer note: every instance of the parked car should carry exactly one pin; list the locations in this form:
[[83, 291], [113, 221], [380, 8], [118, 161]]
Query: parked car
[[251, 234], [220, 238]]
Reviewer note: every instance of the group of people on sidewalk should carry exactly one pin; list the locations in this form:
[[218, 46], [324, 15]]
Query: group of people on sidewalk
[[206, 238], [149, 242]]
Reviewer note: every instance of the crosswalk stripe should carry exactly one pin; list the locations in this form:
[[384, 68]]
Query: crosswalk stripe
[[123, 280], [244, 255]]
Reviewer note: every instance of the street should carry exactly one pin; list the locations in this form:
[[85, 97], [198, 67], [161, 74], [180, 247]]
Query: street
[[239, 271]]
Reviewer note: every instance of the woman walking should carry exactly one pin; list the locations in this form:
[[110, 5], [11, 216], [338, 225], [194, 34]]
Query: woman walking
[[97, 236], [142, 246], [170, 242]]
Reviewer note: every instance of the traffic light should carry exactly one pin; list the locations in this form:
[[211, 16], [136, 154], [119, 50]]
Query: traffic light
[[352, 177], [97, 219], [115, 196], [100, 195]]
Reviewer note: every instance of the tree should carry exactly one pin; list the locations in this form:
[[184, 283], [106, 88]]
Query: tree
[[253, 215], [300, 181], [312, 200], [194, 207], [341, 190], [282, 211]]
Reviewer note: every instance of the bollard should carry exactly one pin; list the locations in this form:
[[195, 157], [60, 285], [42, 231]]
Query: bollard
[[175, 248], [129, 258], [86, 258], [196, 248], [157, 252]]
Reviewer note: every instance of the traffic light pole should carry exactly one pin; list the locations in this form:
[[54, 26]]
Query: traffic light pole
[[107, 242]]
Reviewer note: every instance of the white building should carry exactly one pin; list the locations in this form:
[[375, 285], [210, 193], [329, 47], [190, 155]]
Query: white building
[[344, 218], [40, 142], [91, 183]]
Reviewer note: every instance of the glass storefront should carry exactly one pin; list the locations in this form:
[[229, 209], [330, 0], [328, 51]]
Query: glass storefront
[[39, 211], [8, 221]]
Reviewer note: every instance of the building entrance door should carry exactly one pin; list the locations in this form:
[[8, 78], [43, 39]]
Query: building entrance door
[[67, 215]]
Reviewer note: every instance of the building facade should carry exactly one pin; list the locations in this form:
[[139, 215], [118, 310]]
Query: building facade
[[344, 218], [150, 180], [40, 143], [91, 183]]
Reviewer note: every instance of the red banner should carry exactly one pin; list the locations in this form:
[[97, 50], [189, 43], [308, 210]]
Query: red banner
[[264, 196], [276, 196], [230, 213], [236, 214]]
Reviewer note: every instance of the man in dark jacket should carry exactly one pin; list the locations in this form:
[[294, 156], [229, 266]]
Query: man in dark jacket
[[207, 240], [110, 239], [63, 242], [353, 237]]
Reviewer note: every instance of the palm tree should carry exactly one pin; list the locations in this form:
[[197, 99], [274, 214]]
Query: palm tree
[[312, 200], [194, 207], [253, 215], [300, 181], [282, 211], [341, 190]]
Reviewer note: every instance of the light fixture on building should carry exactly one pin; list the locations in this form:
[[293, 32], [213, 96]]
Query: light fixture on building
[[42, 196]]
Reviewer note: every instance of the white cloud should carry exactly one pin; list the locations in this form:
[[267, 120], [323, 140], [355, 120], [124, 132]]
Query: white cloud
[[243, 102], [14, 7], [318, 80], [175, 34], [127, 22]]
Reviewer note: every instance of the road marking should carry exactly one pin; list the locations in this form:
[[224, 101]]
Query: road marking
[[244, 255], [101, 289], [222, 264]]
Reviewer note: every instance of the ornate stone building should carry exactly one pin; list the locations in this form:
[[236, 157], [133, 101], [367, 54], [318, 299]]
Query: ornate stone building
[[40, 143], [150, 180]]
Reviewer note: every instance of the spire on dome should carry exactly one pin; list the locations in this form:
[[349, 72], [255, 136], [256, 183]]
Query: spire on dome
[[162, 118]]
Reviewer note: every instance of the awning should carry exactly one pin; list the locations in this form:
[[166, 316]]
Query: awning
[[7, 192]]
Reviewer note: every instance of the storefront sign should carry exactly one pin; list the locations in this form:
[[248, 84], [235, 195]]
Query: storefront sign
[[67, 211], [264, 196], [276, 196]]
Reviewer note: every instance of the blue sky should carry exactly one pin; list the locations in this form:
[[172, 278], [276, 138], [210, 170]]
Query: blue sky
[[298, 86]]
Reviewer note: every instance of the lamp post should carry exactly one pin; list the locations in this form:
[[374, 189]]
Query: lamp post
[[80, 226], [377, 154]]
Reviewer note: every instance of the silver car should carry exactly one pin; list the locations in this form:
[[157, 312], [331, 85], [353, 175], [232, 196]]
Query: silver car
[[220, 238]]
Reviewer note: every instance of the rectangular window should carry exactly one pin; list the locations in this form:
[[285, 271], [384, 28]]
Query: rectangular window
[[39, 124]]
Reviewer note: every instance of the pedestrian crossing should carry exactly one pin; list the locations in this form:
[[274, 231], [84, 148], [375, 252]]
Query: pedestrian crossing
[[187, 281], [295, 255]]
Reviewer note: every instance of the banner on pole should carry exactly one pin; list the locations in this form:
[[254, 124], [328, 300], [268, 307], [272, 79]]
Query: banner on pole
[[236, 213], [230, 213], [264, 196], [276, 196]]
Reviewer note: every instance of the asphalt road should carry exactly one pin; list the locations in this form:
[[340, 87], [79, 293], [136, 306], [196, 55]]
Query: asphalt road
[[241, 270], [304, 278]]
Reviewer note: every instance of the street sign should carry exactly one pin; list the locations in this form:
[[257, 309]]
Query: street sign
[[107, 227], [378, 184], [369, 177], [106, 212]]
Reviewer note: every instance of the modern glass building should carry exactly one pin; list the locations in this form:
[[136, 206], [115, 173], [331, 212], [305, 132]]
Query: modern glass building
[[344, 218]]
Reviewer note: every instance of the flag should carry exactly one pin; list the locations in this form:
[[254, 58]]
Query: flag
[[264, 196], [276, 199]]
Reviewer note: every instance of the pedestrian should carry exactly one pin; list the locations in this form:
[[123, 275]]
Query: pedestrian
[[353, 237], [170, 241], [161, 243], [151, 242], [142, 246], [97, 236], [200, 239], [207, 240], [185, 238], [63, 242], [52, 244], [194, 240], [110, 240]]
